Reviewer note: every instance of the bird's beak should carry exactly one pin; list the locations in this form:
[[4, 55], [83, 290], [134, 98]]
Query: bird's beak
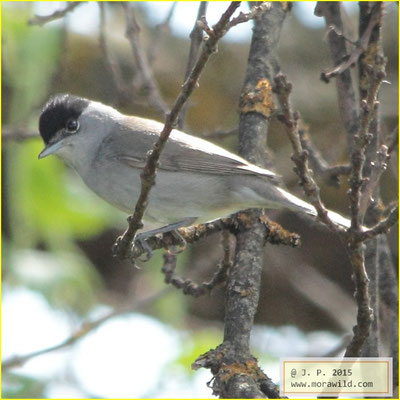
[[50, 149]]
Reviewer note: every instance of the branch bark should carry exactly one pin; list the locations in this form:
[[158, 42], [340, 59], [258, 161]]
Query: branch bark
[[143, 66], [344, 82], [196, 37], [235, 370], [40, 20]]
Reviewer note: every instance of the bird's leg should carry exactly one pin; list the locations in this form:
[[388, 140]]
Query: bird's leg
[[143, 236]]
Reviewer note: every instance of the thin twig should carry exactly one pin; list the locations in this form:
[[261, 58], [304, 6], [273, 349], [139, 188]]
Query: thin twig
[[300, 157], [347, 101], [371, 75], [393, 140], [18, 134], [122, 87], [148, 81], [187, 285], [274, 233], [361, 141], [331, 174], [196, 37], [255, 12], [148, 175], [160, 30], [86, 327], [44, 19], [221, 134], [383, 226], [378, 167], [356, 53]]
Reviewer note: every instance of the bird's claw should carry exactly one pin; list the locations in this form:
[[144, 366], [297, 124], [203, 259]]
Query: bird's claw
[[177, 248], [148, 251]]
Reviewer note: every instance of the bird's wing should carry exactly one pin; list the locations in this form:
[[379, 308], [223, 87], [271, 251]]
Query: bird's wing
[[182, 152]]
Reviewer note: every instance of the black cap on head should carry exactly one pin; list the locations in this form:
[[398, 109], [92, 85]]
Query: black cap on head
[[58, 110]]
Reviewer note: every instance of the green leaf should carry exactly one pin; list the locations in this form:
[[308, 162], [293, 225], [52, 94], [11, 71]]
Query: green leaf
[[197, 344], [31, 56], [49, 202]]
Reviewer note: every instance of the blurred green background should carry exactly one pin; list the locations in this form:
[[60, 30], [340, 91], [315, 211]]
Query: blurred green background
[[57, 268]]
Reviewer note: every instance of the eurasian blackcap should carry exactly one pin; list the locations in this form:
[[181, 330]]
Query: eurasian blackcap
[[197, 181]]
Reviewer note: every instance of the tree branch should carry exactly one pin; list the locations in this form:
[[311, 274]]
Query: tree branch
[[111, 64], [196, 37], [300, 157], [147, 78], [86, 327], [274, 233], [123, 243], [361, 141], [371, 73], [44, 19], [383, 226], [160, 30], [344, 83], [235, 370], [361, 46], [331, 174]]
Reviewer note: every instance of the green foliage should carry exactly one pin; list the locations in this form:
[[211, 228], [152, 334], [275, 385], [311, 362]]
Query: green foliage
[[48, 206], [17, 386], [66, 279], [196, 344], [32, 55]]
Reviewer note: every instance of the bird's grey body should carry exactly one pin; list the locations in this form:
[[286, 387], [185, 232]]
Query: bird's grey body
[[196, 181]]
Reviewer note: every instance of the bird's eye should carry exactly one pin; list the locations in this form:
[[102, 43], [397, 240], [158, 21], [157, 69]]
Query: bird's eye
[[72, 125]]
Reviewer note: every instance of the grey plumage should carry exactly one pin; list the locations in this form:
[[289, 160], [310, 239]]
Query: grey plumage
[[197, 181]]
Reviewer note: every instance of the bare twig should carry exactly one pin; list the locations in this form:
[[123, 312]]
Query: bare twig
[[331, 174], [393, 140], [196, 37], [361, 141], [44, 19], [344, 82], [123, 243], [371, 73], [221, 134], [122, 87], [364, 311], [160, 30], [300, 157], [383, 226], [274, 233], [86, 327], [147, 78], [255, 12], [356, 53], [18, 134], [378, 167], [187, 285]]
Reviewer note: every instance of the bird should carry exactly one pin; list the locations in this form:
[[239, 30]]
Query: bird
[[196, 182]]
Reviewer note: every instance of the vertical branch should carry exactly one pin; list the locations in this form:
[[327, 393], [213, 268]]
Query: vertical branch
[[365, 263], [367, 161], [109, 59], [256, 106], [196, 36], [142, 63], [235, 370], [160, 30], [384, 289], [344, 84]]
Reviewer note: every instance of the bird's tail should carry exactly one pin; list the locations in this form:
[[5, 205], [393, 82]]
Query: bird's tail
[[296, 204]]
